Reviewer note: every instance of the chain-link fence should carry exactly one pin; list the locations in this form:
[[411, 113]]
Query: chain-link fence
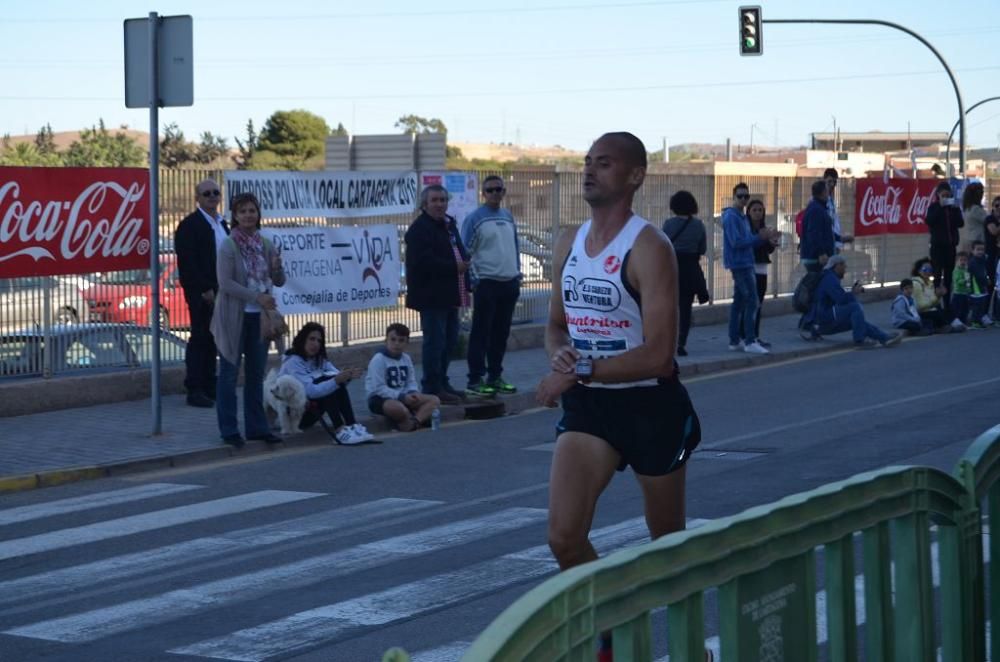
[[68, 309]]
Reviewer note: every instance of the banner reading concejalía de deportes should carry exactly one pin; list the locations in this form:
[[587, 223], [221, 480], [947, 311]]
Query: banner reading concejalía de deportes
[[337, 269], [897, 206], [346, 194], [73, 220]]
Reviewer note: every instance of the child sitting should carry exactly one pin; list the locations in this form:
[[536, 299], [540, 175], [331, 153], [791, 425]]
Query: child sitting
[[903, 313], [325, 386], [392, 385]]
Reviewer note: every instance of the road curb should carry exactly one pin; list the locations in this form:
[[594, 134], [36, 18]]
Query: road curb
[[513, 405]]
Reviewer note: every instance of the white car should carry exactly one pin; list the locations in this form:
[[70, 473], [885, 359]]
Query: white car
[[22, 300]]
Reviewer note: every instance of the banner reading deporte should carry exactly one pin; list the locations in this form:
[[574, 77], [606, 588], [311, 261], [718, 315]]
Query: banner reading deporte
[[898, 206], [345, 194], [336, 269], [73, 220]]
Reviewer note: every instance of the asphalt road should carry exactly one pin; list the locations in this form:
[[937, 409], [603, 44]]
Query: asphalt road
[[330, 554]]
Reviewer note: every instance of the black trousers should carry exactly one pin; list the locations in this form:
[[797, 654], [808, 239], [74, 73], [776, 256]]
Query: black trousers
[[492, 310], [943, 261], [337, 405], [200, 353]]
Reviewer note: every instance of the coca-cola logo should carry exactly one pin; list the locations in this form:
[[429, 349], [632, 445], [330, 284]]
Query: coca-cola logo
[[881, 208], [917, 211], [100, 222]]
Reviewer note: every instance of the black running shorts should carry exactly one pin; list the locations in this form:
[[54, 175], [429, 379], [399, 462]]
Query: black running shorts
[[654, 428]]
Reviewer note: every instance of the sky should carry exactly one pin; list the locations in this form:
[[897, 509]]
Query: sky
[[542, 72]]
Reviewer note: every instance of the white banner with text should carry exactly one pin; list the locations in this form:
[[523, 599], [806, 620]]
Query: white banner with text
[[343, 194], [337, 269]]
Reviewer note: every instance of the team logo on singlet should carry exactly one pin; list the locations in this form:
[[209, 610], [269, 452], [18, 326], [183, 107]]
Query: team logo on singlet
[[612, 264], [591, 294]]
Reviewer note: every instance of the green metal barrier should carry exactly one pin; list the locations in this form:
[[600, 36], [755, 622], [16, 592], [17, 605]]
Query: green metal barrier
[[763, 563]]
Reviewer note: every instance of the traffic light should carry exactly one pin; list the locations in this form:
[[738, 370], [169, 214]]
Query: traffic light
[[751, 35]]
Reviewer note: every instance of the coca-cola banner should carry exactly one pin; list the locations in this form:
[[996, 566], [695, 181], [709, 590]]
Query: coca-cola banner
[[346, 194], [898, 206], [73, 220]]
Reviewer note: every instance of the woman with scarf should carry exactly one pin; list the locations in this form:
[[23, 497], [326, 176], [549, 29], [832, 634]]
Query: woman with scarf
[[248, 266]]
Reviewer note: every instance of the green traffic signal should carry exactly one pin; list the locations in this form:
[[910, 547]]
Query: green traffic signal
[[750, 31]]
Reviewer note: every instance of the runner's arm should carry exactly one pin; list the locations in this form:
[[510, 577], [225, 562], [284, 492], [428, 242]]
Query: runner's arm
[[556, 331]]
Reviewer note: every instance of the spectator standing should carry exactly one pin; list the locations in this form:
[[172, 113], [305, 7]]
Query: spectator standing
[[737, 256], [838, 310], [687, 234], [973, 215], [490, 236], [980, 287], [903, 314], [818, 241], [436, 263], [757, 213], [249, 266], [944, 220], [991, 236], [831, 177], [197, 240]]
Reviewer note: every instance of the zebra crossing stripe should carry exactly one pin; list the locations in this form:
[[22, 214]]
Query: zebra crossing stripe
[[91, 501], [159, 519], [67, 581], [314, 626], [135, 614]]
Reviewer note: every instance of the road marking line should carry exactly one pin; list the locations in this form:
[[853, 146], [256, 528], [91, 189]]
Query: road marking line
[[91, 501], [314, 626], [67, 581], [158, 519], [136, 614]]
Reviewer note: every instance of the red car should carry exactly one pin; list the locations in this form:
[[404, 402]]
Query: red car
[[126, 297]]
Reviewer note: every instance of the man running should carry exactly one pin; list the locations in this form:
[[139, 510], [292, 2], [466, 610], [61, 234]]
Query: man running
[[612, 336]]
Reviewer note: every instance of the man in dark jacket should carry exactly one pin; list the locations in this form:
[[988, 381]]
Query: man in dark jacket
[[196, 241], [436, 262], [818, 241], [943, 221], [838, 310]]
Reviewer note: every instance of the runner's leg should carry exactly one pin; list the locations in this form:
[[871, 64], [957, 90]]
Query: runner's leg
[[663, 497]]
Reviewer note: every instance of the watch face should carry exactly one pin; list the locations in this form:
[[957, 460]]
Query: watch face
[[584, 368]]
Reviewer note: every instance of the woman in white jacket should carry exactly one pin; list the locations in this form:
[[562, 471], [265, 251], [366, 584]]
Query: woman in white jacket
[[325, 386]]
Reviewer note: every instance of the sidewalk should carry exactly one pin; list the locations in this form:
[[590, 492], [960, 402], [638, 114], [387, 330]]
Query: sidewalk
[[40, 450]]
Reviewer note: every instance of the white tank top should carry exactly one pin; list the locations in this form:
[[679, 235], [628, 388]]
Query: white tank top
[[603, 317]]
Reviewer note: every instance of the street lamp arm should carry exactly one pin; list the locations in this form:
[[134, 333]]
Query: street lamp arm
[[947, 154], [897, 26]]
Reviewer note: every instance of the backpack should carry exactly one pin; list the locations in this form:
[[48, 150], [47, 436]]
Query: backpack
[[799, 220], [805, 291]]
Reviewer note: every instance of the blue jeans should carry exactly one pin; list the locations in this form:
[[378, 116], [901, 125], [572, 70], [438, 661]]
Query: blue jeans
[[255, 351], [849, 316], [440, 326], [744, 307]]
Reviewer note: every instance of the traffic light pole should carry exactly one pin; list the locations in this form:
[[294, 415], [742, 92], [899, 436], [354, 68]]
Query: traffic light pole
[[896, 26], [947, 154]]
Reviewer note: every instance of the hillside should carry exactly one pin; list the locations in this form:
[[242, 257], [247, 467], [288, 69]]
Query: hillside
[[64, 139]]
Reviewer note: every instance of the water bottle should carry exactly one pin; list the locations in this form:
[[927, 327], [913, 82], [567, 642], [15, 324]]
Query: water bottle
[[436, 419]]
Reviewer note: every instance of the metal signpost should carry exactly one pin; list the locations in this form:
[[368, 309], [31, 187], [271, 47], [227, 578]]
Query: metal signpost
[[159, 71]]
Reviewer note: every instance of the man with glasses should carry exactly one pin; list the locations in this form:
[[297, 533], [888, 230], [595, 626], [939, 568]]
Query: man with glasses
[[490, 235], [739, 242], [196, 241]]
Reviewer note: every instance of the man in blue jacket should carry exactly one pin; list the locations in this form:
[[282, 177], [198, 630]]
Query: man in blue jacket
[[737, 256], [818, 240], [838, 310]]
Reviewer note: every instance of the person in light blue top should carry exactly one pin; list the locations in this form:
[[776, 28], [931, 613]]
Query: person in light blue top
[[490, 235], [739, 242]]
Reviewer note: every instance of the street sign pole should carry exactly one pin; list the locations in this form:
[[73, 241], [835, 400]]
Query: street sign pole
[[154, 220]]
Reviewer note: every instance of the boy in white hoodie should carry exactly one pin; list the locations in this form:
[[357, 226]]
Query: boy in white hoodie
[[903, 313], [391, 384]]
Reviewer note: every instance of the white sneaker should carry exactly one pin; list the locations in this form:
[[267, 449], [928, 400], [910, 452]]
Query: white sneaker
[[361, 433], [736, 347], [957, 325], [756, 348], [986, 320], [346, 436]]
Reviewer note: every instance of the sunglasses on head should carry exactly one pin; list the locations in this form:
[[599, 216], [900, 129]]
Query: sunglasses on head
[[494, 189], [211, 194]]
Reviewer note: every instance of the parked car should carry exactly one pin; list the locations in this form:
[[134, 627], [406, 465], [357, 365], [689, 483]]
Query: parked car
[[22, 300], [83, 346], [126, 297]]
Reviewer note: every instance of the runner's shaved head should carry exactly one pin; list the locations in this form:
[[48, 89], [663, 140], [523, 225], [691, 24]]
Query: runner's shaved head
[[631, 147]]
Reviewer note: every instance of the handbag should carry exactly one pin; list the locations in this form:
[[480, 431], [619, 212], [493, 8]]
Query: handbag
[[272, 325]]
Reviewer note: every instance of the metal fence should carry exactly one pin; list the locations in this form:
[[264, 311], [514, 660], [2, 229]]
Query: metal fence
[[542, 201]]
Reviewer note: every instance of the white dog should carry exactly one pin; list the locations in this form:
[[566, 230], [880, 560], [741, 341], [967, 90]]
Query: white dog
[[287, 397]]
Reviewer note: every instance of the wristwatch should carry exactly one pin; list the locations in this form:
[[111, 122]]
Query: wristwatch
[[584, 369]]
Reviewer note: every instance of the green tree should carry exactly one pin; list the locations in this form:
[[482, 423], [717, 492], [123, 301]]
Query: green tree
[[211, 148], [45, 142], [26, 154], [248, 149], [97, 147], [418, 124], [339, 131], [297, 137], [174, 149]]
